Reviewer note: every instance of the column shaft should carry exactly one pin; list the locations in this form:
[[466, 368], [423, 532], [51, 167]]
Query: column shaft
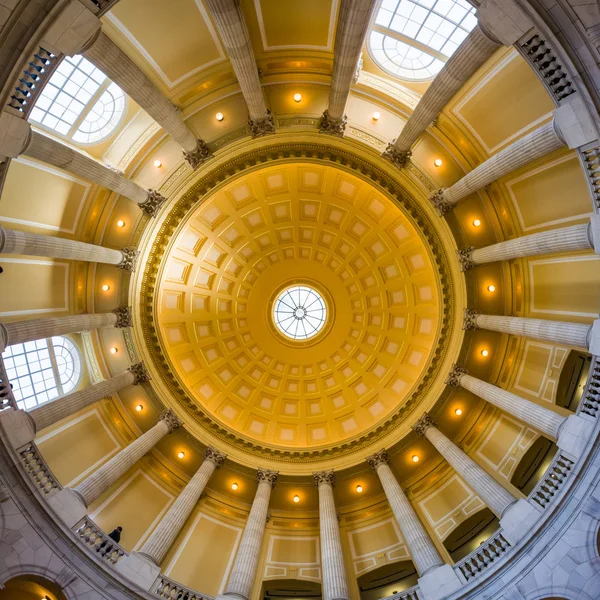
[[162, 538], [49, 413], [571, 334], [491, 492], [32, 244], [423, 551], [112, 61]]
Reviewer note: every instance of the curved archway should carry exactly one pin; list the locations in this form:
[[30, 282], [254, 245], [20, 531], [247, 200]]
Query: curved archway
[[31, 587]]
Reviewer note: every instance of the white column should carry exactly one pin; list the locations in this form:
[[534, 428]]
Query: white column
[[476, 48], [49, 413], [33, 244], [335, 585], [564, 239], [538, 143], [352, 25], [99, 481], [229, 20], [561, 332], [244, 569], [19, 332]]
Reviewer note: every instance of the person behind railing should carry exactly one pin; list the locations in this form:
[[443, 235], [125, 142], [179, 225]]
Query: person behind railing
[[114, 535], [4, 391]]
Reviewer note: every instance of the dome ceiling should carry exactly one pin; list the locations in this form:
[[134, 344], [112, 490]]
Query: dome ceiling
[[316, 226]]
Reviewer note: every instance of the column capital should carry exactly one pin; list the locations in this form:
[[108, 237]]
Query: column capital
[[153, 203], [129, 258], [470, 319], [324, 477], [140, 375], [465, 258], [333, 126], [268, 476], [455, 374], [263, 126], [398, 157], [214, 456], [199, 155], [170, 419], [123, 317], [439, 202], [377, 459], [423, 424]]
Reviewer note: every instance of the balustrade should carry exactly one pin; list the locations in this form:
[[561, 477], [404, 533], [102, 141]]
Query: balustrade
[[169, 589], [38, 470], [94, 538], [591, 161], [553, 480], [409, 594], [489, 552], [590, 400]]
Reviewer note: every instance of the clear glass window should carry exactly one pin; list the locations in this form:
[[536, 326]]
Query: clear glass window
[[42, 370], [412, 39], [299, 312]]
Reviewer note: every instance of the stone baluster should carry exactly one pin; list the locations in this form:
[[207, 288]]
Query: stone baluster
[[19, 332], [564, 239], [570, 432], [335, 584], [561, 332], [143, 566], [229, 20], [352, 25], [436, 577], [33, 244], [245, 566], [477, 47], [49, 413]]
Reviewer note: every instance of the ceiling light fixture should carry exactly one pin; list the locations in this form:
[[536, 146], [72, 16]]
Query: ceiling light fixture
[[476, 223], [297, 97], [415, 458], [359, 488], [491, 288], [296, 498], [484, 352], [234, 486], [120, 223], [180, 454], [105, 287], [438, 162], [114, 350], [458, 412], [139, 408], [157, 164], [376, 116], [219, 117]]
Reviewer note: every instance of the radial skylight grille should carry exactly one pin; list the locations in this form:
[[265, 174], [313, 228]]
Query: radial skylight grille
[[299, 312]]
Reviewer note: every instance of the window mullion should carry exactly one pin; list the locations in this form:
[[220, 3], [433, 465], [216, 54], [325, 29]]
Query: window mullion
[[54, 366], [86, 111]]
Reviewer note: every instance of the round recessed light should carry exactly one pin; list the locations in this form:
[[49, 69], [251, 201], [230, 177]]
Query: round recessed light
[[180, 454], [484, 352], [158, 164], [415, 458], [120, 223], [359, 488], [296, 498], [297, 97], [491, 288], [139, 408], [219, 117], [376, 116], [105, 287], [438, 162], [458, 412], [114, 350], [476, 223], [234, 486]]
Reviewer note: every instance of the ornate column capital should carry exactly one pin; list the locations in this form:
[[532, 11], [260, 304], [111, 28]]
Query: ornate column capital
[[265, 475], [140, 375], [153, 202], [263, 126], [171, 420], [214, 456], [397, 157], [454, 376], [465, 258], [470, 319], [199, 155], [333, 126], [439, 202], [423, 424], [324, 477], [129, 258], [380, 458], [123, 317]]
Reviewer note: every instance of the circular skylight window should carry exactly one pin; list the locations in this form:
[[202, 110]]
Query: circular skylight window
[[299, 312]]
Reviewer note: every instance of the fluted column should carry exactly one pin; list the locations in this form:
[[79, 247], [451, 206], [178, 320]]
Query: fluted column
[[564, 239], [561, 332], [229, 20], [162, 538], [476, 48], [538, 143], [335, 585], [33, 244], [352, 25], [423, 551], [19, 332], [244, 569], [491, 492], [98, 482], [49, 413], [111, 60], [52, 152], [543, 419]]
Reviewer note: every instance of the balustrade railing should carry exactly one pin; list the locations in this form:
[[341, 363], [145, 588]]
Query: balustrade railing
[[553, 480], [590, 400], [409, 594], [591, 167], [98, 541], [167, 588], [38, 470], [489, 552], [7, 399]]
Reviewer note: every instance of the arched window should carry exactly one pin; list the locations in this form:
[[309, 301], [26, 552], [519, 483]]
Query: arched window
[[80, 102], [412, 39], [42, 370]]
